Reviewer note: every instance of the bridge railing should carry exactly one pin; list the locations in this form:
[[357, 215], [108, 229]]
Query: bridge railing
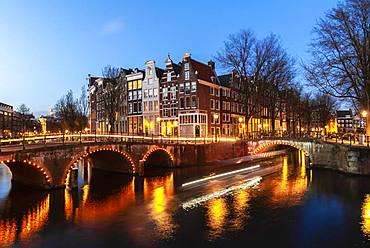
[[66, 139], [345, 139]]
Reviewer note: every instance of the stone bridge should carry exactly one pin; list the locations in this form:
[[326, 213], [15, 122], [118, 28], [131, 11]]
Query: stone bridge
[[346, 158], [48, 167]]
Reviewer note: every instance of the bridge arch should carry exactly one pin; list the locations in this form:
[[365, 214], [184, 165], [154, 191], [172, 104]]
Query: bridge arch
[[90, 154], [267, 145], [159, 156], [29, 172]]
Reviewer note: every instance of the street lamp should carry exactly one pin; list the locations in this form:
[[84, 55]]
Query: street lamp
[[215, 116], [158, 120], [259, 128], [240, 123], [364, 113]]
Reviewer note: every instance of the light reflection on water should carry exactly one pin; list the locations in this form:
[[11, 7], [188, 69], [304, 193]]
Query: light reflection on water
[[137, 211]]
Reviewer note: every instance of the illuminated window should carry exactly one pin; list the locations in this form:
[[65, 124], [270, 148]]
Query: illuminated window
[[134, 84], [139, 84], [130, 85]]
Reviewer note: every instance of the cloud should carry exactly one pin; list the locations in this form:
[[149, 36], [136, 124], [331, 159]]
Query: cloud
[[113, 26]]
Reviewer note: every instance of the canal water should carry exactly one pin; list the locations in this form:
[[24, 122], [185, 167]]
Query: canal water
[[292, 207]]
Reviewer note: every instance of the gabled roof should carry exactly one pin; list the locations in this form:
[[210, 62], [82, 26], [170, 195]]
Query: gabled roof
[[176, 68], [159, 72], [225, 79], [205, 72], [344, 113]]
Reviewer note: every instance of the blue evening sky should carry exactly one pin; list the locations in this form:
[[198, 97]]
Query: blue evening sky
[[49, 47]]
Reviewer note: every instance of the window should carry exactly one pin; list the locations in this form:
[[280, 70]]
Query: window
[[134, 84], [187, 103], [139, 84], [130, 85], [164, 93], [173, 92], [212, 104], [139, 108], [150, 106], [217, 92], [150, 92], [134, 95], [193, 102], [182, 102], [155, 105], [150, 71], [193, 86], [211, 91], [181, 88], [217, 104], [130, 108], [146, 94], [169, 76], [187, 88], [155, 92], [187, 75], [145, 106], [186, 66], [139, 94], [130, 96], [135, 107]]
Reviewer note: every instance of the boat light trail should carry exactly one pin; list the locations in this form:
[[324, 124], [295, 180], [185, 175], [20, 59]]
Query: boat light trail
[[220, 175], [199, 200]]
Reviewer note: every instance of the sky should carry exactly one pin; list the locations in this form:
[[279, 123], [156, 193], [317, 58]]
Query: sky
[[49, 47]]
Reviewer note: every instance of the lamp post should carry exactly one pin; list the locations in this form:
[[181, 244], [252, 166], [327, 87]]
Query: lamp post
[[158, 120], [365, 125], [259, 128], [240, 119], [215, 117]]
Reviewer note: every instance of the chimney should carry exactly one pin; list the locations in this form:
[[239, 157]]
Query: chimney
[[211, 64], [186, 55]]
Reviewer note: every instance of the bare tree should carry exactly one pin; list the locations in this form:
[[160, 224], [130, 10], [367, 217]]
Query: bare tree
[[238, 55], [26, 116], [340, 66], [274, 72], [70, 113], [112, 93], [264, 67]]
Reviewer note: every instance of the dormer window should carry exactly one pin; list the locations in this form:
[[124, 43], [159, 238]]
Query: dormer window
[[186, 66], [169, 74]]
